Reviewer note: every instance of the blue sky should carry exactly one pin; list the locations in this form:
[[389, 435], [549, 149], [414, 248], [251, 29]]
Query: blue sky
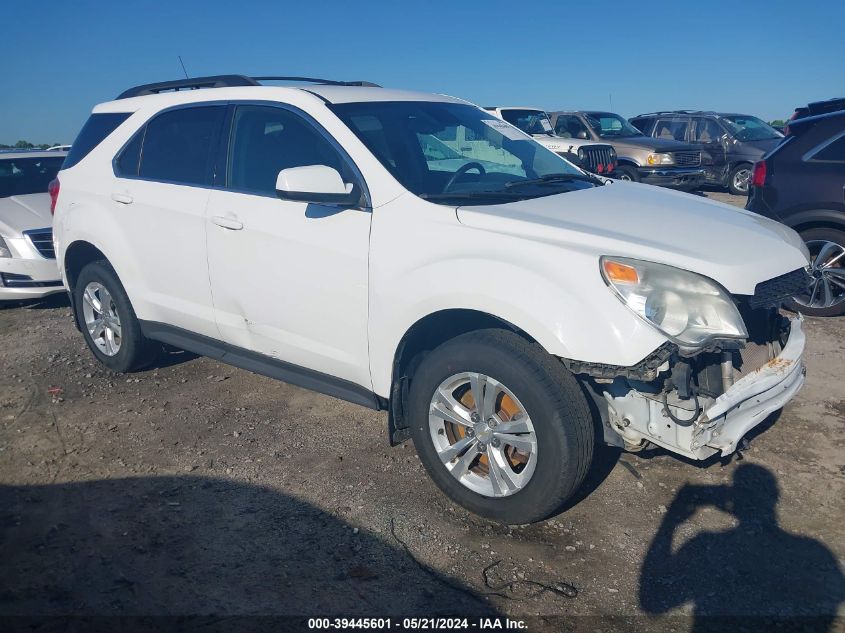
[[61, 58]]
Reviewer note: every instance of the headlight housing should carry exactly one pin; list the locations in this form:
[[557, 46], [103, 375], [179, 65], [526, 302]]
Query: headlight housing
[[660, 159], [688, 308], [4, 249]]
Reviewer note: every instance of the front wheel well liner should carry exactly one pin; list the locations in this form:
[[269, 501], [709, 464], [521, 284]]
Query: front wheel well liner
[[421, 338]]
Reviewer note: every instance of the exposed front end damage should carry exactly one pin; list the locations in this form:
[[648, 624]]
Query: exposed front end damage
[[700, 404]]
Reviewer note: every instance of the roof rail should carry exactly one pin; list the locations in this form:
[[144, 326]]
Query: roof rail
[[325, 82], [670, 112], [227, 81]]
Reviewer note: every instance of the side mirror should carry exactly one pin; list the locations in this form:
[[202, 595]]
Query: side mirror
[[582, 135], [318, 184]]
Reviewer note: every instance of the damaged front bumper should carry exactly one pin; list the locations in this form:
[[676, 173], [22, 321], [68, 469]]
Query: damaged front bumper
[[641, 415]]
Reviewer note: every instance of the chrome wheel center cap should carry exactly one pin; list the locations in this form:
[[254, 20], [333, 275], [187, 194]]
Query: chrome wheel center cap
[[483, 433]]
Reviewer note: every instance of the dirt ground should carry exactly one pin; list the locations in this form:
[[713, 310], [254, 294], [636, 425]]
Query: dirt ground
[[197, 488]]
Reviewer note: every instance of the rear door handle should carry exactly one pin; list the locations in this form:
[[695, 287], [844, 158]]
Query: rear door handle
[[122, 198], [227, 223]]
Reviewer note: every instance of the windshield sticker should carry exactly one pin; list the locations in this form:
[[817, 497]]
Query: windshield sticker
[[544, 123], [505, 129]]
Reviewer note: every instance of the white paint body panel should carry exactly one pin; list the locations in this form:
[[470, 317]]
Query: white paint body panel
[[292, 284], [337, 293]]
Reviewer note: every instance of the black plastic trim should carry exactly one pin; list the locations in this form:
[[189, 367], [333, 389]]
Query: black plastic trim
[[261, 364]]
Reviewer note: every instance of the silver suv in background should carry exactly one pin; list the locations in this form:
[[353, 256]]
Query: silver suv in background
[[640, 158]]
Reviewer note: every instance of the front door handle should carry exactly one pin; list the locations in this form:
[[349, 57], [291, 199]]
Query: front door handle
[[227, 223], [122, 198]]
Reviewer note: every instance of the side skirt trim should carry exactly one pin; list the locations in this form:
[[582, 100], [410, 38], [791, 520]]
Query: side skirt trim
[[261, 364]]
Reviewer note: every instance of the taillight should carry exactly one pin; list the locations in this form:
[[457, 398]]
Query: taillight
[[759, 177], [53, 190]]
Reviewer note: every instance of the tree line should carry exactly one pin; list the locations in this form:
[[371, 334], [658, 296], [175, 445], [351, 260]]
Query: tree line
[[28, 145]]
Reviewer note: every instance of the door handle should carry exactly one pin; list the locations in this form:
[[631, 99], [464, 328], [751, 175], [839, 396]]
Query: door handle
[[227, 223], [122, 198]]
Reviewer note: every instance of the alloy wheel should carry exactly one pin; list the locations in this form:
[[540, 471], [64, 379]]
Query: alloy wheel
[[827, 270], [741, 179], [483, 434], [101, 318]]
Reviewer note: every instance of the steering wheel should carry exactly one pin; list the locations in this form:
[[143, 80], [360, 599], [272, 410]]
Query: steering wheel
[[461, 171]]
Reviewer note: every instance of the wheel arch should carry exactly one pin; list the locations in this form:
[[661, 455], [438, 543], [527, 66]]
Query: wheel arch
[[829, 215], [422, 337], [77, 255]]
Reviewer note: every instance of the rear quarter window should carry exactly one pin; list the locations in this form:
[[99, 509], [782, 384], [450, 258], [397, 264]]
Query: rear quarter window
[[95, 130], [832, 152]]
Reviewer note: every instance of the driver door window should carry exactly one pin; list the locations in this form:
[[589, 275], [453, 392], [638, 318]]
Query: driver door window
[[707, 131], [266, 140]]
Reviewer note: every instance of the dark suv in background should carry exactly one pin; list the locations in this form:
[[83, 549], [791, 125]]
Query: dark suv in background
[[802, 184], [640, 158], [730, 143]]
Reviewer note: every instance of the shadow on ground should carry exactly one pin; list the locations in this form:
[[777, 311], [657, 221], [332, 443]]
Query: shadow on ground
[[192, 545], [753, 577]]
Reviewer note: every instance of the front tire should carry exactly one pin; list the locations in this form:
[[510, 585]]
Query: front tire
[[739, 179], [626, 172], [826, 293], [522, 453], [109, 325]]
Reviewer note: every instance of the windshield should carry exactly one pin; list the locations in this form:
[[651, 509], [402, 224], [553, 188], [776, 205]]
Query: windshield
[[529, 121], [457, 153], [750, 128], [609, 125], [21, 176]]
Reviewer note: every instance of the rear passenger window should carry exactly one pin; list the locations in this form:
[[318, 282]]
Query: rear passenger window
[[266, 140], [178, 146], [834, 152]]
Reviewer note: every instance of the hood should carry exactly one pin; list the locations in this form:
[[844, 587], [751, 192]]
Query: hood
[[656, 144], [737, 248], [22, 213]]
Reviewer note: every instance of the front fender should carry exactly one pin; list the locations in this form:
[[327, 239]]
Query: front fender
[[555, 295]]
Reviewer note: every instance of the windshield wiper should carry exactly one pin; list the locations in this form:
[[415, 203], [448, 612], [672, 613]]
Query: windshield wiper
[[508, 195], [551, 178]]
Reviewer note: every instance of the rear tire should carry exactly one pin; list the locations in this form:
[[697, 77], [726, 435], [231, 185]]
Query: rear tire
[[825, 244], [559, 417], [739, 179], [108, 321]]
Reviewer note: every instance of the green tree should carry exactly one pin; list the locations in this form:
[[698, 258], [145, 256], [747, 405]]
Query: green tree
[[23, 145], [777, 123]]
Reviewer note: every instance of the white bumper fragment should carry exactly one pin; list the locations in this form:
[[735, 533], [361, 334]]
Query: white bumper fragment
[[752, 398], [641, 416]]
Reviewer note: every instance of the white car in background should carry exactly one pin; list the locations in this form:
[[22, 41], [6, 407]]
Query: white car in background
[[27, 261], [598, 158]]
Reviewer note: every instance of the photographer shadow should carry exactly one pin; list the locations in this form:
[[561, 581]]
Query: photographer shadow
[[755, 576]]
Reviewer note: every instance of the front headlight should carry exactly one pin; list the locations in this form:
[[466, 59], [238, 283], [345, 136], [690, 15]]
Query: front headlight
[[660, 159], [688, 308], [4, 249]]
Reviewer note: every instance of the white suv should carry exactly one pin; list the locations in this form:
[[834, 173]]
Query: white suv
[[412, 253]]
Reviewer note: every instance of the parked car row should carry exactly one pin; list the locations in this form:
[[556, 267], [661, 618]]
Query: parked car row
[[27, 260], [416, 254]]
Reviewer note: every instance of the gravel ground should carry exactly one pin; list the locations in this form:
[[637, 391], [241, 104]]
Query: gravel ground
[[197, 488]]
